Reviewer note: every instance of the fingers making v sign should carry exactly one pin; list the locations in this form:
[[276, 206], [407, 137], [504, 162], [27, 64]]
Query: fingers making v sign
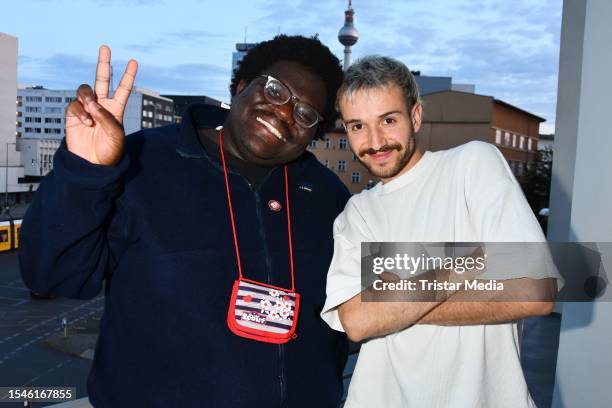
[[94, 120]]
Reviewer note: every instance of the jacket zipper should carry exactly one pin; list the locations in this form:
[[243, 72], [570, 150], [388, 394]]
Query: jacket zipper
[[281, 375], [281, 350]]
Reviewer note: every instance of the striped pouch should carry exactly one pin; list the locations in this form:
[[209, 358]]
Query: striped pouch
[[263, 312]]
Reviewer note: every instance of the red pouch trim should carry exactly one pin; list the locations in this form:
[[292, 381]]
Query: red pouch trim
[[263, 312]]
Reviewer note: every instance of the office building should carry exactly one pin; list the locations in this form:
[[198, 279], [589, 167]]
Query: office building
[[10, 168]]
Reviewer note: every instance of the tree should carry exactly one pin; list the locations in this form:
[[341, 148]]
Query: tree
[[537, 183]]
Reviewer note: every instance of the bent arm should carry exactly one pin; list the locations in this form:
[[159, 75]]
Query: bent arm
[[64, 236], [532, 297], [384, 315], [372, 313]]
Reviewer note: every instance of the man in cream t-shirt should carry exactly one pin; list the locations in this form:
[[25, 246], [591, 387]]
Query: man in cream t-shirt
[[434, 353]]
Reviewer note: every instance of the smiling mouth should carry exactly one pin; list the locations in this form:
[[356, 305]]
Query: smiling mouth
[[272, 129]]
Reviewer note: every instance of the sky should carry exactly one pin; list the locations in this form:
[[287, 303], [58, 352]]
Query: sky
[[508, 49]]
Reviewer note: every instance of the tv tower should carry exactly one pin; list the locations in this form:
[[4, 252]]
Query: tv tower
[[348, 34]]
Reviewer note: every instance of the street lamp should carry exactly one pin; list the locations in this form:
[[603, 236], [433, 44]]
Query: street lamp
[[6, 206]]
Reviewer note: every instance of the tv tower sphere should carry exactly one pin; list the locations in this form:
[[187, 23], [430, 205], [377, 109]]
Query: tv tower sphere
[[348, 34]]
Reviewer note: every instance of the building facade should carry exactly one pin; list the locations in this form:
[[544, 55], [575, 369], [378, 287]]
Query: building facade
[[452, 118], [40, 112], [40, 124], [241, 51], [10, 162], [216, 110], [37, 156], [335, 153], [147, 109]]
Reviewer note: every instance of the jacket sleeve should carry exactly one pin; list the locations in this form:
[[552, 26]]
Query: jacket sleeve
[[64, 242]]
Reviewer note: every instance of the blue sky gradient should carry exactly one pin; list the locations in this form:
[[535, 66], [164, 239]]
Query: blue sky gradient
[[508, 49]]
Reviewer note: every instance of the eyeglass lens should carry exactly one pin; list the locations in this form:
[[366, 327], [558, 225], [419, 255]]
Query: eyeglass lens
[[278, 94]]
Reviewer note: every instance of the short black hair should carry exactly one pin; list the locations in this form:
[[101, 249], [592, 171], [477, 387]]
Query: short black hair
[[309, 52]]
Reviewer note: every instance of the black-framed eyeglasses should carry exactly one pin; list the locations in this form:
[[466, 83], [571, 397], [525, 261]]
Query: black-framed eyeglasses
[[277, 93]]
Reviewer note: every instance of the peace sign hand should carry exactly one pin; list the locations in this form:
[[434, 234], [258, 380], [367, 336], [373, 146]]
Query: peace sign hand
[[94, 121]]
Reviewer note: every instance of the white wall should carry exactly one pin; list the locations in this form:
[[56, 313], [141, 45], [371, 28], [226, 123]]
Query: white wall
[[581, 194], [8, 98], [8, 95]]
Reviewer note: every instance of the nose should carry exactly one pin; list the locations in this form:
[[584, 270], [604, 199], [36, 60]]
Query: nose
[[376, 138], [285, 112]]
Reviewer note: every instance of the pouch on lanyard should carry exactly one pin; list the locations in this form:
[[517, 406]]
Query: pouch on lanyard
[[262, 312]]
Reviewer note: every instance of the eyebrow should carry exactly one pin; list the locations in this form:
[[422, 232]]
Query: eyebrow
[[348, 122]]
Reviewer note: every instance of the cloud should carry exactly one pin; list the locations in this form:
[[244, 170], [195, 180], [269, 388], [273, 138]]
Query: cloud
[[169, 40], [65, 71], [111, 3]]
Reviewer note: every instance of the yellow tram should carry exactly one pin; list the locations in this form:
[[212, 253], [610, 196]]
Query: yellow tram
[[9, 234]]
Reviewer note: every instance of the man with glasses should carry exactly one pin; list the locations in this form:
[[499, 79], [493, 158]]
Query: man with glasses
[[165, 218]]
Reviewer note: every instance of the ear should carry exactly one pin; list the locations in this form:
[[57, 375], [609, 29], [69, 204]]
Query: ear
[[240, 87], [417, 115]]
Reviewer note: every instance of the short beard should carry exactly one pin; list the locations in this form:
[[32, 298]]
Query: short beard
[[405, 156]]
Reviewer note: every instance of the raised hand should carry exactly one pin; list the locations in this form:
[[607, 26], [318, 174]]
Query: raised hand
[[94, 121]]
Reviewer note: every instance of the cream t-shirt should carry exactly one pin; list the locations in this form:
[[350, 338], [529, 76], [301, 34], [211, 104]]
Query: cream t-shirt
[[465, 194]]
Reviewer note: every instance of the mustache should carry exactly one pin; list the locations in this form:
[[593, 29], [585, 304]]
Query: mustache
[[382, 149]]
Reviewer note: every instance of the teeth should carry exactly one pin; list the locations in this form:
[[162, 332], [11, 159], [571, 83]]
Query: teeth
[[271, 129]]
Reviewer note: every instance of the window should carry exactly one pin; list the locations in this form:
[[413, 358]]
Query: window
[[327, 143], [313, 144], [341, 165], [354, 158], [53, 99], [33, 98], [520, 168], [68, 100], [53, 110], [498, 136], [370, 184], [53, 131], [355, 177], [53, 120], [326, 163], [33, 109], [32, 130], [507, 138], [342, 143], [514, 140], [529, 144], [522, 142], [512, 165], [29, 119]]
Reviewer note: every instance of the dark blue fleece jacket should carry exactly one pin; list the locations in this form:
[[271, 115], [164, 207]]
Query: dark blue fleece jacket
[[154, 231]]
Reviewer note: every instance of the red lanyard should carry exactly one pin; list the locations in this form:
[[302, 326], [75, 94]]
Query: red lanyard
[[231, 211]]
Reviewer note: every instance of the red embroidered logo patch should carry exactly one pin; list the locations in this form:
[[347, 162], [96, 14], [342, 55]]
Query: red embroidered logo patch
[[274, 205]]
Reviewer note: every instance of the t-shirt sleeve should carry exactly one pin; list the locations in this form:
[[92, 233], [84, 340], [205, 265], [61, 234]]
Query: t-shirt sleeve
[[503, 219], [344, 275]]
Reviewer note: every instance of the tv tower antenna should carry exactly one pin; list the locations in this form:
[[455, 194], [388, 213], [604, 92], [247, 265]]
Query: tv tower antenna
[[348, 34]]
